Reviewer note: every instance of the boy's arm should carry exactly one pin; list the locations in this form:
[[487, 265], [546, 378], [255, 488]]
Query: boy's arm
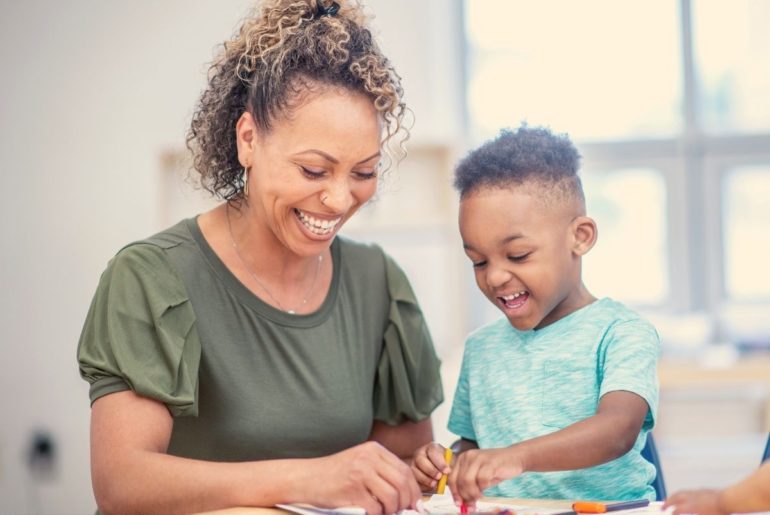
[[607, 435], [750, 495]]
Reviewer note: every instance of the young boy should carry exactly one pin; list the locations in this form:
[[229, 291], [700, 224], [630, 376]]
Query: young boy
[[555, 400]]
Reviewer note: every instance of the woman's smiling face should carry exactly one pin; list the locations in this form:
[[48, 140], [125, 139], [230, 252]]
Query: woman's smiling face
[[313, 169]]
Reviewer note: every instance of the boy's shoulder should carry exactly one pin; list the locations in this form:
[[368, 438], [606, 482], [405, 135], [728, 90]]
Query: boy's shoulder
[[610, 312], [499, 329], [610, 308]]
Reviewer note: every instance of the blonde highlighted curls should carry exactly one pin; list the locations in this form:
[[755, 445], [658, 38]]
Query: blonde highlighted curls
[[282, 51]]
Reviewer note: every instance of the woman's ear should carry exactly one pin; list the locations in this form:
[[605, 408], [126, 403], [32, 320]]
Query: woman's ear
[[245, 138], [584, 234]]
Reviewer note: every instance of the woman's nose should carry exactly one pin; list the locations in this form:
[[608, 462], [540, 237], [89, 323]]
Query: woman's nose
[[338, 196]]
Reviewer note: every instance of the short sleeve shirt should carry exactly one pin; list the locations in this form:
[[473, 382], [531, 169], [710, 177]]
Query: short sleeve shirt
[[517, 385], [247, 381]]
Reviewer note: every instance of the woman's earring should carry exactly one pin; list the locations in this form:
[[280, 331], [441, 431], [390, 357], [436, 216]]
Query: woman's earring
[[245, 181]]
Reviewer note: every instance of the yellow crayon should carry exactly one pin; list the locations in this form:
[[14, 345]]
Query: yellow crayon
[[442, 481]]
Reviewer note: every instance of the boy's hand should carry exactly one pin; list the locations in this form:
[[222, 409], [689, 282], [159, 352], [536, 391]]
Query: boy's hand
[[428, 466], [703, 502], [477, 469]]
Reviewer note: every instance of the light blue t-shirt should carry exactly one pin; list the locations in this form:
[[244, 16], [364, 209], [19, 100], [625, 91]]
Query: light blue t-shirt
[[516, 385]]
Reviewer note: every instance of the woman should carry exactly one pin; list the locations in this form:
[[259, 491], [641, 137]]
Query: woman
[[249, 356]]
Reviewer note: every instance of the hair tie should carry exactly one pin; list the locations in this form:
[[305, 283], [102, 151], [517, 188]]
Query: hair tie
[[326, 11]]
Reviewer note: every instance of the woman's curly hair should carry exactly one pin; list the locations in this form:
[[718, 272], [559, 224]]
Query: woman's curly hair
[[284, 48]]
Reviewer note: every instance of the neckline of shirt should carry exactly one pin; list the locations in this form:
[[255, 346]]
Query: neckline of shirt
[[251, 300]]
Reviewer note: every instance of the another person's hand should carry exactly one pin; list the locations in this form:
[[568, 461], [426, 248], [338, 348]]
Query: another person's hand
[[367, 475], [702, 502], [477, 469], [428, 465]]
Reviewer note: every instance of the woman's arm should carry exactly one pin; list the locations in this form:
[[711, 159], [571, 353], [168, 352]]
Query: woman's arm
[[750, 495], [607, 435], [132, 473], [404, 439]]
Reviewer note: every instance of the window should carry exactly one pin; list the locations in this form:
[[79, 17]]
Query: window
[[602, 77], [746, 222], [732, 47], [629, 259]]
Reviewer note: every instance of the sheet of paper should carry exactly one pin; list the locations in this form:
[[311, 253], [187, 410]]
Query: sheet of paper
[[444, 505], [436, 505]]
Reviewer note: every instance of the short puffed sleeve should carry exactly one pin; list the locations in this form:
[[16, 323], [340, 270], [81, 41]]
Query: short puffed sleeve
[[408, 384], [140, 332]]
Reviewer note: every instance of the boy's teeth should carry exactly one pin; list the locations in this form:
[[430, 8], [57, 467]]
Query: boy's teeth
[[513, 295], [316, 225]]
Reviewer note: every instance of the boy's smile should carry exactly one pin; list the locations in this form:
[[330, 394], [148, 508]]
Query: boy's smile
[[525, 245]]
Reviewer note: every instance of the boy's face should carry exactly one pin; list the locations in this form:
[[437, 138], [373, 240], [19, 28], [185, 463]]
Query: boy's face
[[526, 252]]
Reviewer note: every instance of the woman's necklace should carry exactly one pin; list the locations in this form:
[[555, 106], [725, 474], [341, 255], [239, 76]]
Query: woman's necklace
[[260, 283]]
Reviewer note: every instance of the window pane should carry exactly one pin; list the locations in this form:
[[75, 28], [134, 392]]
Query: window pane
[[588, 68], [746, 226], [629, 259], [732, 51]]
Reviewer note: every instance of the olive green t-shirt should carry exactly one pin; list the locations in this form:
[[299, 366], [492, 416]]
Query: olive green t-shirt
[[244, 380]]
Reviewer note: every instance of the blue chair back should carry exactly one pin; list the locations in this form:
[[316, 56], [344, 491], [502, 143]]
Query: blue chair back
[[650, 453], [766, 454]]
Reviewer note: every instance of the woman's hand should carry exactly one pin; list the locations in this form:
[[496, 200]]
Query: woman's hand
[[428, 466], [367, 475], [703, 502], [477, 469]]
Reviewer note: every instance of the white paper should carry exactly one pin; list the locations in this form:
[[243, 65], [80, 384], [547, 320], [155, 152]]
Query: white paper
[[444, 505]]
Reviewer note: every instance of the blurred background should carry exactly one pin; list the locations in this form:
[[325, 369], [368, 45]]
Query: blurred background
[[667, 101]]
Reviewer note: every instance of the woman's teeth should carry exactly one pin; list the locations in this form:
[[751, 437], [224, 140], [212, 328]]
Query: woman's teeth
[[316, 225]]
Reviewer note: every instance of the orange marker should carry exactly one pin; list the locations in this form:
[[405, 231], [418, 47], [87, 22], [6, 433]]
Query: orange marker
[[442, 481], [600, 507]]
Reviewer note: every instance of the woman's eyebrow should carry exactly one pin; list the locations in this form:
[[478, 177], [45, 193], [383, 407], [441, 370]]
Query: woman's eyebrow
[[333, 159]]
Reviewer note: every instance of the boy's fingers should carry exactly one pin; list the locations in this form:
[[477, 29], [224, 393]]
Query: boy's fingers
[[466, 482], [436, 456], [423, 479], [426, 466]]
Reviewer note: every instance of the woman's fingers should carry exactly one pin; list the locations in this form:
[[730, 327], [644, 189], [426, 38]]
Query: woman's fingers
[[386, 494], [370, 476], [392, 483], [398, 474]]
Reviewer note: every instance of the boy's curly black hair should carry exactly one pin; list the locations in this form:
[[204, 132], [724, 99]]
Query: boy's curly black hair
[[527, 155]]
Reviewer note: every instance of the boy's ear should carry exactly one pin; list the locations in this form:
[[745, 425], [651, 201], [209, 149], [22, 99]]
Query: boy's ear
[[584, 233]]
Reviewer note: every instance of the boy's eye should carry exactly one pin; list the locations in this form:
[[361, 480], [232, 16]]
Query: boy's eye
[[312, 174], [478, 264], [519, 258]]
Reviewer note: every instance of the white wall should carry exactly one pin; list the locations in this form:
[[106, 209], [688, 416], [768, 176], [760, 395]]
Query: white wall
[[91, 94]]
